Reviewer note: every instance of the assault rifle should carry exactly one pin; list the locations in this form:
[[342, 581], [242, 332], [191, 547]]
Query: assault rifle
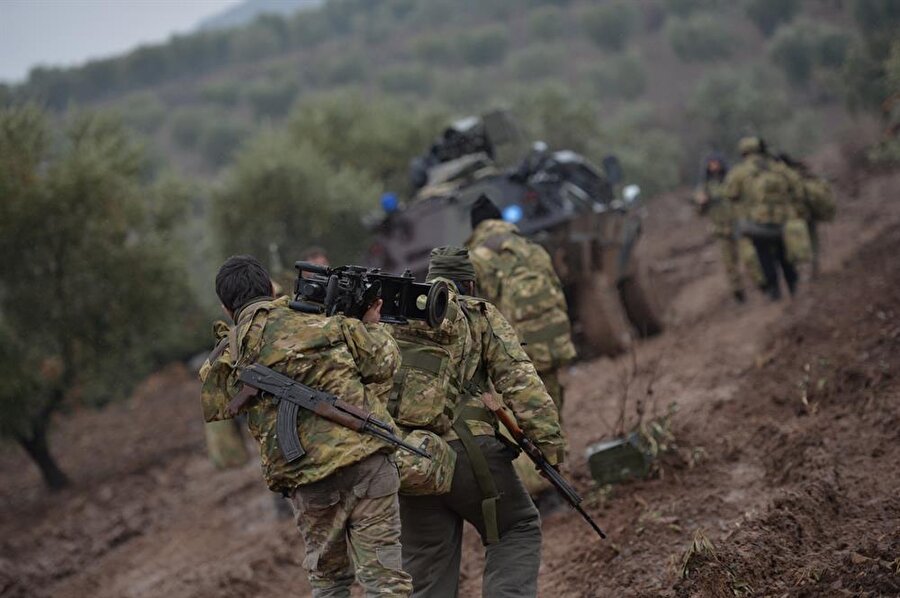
[[351, 290], [292, 396], [540, 461]]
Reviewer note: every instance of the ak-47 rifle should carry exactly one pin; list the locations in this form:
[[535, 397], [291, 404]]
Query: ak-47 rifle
[[540, 461], [292, 396]]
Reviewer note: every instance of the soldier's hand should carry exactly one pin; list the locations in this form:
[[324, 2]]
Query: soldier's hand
[[373, 314]]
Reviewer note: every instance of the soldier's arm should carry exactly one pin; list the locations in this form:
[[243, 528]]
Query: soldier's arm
[[486, 276], [373, 349], [733, 184], [514, 376]]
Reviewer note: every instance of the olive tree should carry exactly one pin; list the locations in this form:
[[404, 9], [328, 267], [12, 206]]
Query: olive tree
[[91, 297]]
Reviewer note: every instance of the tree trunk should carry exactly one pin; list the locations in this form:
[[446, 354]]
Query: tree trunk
[[39, 451]]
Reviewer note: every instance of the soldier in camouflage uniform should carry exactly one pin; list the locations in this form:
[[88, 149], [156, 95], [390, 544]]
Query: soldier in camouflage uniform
[[344, 490], [517, 275], [444, 375], [768, 196], [711, 201]]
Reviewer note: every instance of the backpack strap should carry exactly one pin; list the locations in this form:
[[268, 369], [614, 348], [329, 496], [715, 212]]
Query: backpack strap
[[483, 477]]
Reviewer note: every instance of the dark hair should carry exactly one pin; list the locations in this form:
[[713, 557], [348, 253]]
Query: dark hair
[[241, 279], [484, 209]]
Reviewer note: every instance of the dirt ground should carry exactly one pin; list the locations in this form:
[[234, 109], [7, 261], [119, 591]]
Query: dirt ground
[[784, 481]]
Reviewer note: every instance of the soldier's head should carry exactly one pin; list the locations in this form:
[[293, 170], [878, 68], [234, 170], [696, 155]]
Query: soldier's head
[[240, 280], [484, 209], [314, 255], [751, 145], [454, 264]]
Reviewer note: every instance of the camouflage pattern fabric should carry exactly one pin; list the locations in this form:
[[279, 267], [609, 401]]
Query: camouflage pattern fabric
[[750, 262], [723, 218], [517, 276], [225, 444], [339, 355], [764, 190], [350, 523], [482, 350]]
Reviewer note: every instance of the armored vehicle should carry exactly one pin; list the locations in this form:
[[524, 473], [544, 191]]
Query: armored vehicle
[[558, 198]]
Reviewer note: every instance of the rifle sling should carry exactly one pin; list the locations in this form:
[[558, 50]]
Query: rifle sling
[[483, 477]]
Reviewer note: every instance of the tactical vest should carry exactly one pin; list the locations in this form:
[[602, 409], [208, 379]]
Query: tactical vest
[[769, 194], [430, 397]]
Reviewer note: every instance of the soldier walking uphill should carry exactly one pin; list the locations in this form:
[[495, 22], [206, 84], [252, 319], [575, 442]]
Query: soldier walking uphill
[[517, 276], [344, 489], [767, 195], [711, 201], [444, 374]]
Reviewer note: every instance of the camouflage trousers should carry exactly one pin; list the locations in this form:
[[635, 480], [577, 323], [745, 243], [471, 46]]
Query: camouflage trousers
[[433, 530], [534, 482], [732, 261], [350, 523]]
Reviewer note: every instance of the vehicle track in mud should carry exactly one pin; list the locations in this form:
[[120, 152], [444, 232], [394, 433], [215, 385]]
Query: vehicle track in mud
[[797, 498]]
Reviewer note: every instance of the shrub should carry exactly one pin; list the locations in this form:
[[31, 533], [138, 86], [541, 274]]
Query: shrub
[[546, 23], [611, 24], [435, 49], [187, 126], [220, 139], [486, 45], [223, 93], [700, 38], [409, 78], [799, 47], [768, 14], [684, 8], [144, 111], [272, 98], [538, 61], [620, 77]]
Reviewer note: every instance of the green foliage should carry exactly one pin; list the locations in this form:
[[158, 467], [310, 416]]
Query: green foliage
[[611, 24], [406, 78], [288, 193], [621, 77], [95, 291], [801, 46], [768, 14], [684, 8], [143, 111], [375, 137], [187, 126], [271, 98], [866, 67], [700, 38], [538, 62], [435, 49], [546, 23], [483, 46], [222, 93], [727, 104], [339, 69], [560, 119], [220, 139]]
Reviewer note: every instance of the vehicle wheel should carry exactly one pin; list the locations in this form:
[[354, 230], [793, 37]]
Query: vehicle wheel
[[641, 300], [602, 323]]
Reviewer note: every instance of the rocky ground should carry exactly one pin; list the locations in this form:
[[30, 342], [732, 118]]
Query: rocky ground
[[783, 481]]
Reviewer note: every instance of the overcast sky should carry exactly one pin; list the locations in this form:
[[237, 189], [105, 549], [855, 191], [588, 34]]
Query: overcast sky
[[67, 32]]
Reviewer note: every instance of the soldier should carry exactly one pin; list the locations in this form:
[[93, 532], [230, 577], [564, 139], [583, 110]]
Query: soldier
[[818, 202], [445, 373], [767, 195], [344, 490], [711, 201], [517, 275]]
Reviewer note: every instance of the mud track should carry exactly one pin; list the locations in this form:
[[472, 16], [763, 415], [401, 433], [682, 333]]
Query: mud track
[[784, 478]]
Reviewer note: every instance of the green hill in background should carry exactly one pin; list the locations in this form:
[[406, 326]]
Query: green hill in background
[[247, 11]]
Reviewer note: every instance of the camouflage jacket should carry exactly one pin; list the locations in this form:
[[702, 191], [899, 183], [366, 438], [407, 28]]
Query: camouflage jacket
[[517, 275], [720, 209], [339, 355], [765, 190], [447, 369]]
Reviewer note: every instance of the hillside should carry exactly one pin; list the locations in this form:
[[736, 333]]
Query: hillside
[[247, 11], [785, 423]]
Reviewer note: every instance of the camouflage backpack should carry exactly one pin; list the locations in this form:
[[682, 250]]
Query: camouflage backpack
[[769, 194], [530, 298], [819, 200]]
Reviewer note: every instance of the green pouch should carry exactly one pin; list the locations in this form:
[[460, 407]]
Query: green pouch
[[797, 242], [426, 477]]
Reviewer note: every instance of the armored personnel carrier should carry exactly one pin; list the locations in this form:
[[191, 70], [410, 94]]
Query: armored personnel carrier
[[558, 198]]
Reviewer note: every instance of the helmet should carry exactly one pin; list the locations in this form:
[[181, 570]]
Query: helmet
[[750, 145]]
